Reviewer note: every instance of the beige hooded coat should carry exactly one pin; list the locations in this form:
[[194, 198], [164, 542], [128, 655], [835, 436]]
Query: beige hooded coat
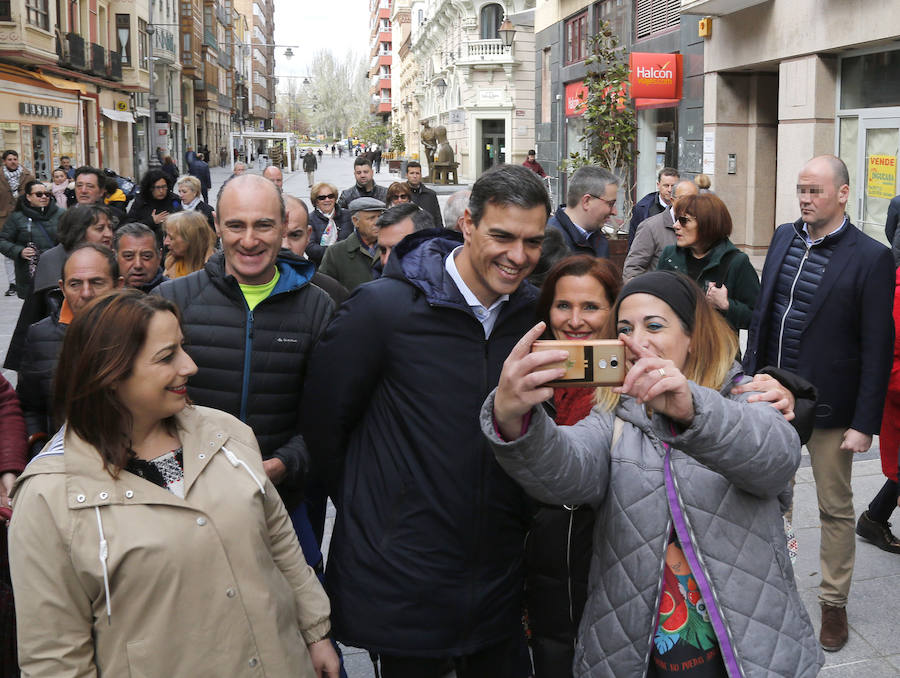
[[123, 578]]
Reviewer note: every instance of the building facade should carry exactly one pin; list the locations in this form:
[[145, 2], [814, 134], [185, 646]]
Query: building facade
[[670, 129], [473, 85], [404, 104], [776, 97], [381, 55], [69, 74]]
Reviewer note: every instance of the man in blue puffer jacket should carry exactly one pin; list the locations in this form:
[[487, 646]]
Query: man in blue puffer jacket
[[425, 567]]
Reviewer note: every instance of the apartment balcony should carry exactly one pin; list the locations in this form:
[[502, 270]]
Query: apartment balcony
[[115, 66], [224, 59], [477, 52], [224, 100], [209, 38], [77, 56], [98, 60]]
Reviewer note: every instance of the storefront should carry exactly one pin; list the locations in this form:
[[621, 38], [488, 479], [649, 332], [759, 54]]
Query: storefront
[[40, 121], [868, 134], [656, 86]]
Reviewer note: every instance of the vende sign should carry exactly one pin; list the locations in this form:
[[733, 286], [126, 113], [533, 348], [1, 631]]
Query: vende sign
[[655, 76]]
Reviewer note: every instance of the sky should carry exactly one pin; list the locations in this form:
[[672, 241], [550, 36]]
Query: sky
[[339, 25]]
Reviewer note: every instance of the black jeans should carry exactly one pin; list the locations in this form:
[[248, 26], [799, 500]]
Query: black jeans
[[508, 659], [884, 503]]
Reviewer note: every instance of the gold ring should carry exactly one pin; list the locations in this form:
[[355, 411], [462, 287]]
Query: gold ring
[[662, 372]]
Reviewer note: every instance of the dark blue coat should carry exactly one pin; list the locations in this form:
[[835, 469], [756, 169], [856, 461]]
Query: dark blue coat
[[318, 223], [200, 169], [890, 228], [846, 346], [575, 241], [426, 557], [645, 208]]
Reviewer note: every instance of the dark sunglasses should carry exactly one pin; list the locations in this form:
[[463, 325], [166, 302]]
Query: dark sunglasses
[[684, 219], [41, 194], [327, 196]]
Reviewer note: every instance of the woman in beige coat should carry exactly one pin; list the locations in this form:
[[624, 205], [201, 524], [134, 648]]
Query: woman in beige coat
[[147, 539]]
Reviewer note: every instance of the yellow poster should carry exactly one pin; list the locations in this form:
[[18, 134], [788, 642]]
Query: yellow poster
[[882, 180]]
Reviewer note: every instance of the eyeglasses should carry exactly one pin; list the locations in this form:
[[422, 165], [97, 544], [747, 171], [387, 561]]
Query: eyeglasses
[[41, 194], [327, 196], [611, 203], [684, 220], [161, 187]]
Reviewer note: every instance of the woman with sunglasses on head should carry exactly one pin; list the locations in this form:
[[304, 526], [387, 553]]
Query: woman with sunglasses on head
[[329, 223], [690, 574], [147, 538], [30, 230], [704, 253]]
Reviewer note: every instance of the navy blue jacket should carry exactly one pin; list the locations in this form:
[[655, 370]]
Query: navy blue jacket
[[426, 557], [645, 208], [890, 228], [846, 347], [251, 364], [575, 241], [200, 169], [318, 223]]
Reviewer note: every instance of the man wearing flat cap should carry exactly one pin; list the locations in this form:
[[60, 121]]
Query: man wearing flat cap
[[350, 260]]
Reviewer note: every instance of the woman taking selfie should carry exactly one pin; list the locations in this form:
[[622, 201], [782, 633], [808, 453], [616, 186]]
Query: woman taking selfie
[[689, 537], [147, 538], [704, 253]]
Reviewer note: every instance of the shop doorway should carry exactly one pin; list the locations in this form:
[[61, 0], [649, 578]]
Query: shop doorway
[[870, 147], [40, 146], [493, 143]]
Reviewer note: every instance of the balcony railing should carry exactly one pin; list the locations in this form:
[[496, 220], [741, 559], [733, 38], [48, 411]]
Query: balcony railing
[[76, 50], [485, 51], [224, 101], [98, 60], [209, 38], [115, 66]]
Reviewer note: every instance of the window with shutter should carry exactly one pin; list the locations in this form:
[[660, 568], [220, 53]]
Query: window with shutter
[[655, 16]]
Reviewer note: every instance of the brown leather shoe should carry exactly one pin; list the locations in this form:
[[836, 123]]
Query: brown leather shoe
[[834, 628]]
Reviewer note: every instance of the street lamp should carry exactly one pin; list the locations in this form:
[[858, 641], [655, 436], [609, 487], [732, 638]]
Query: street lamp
[[507, 32], [441, 86]]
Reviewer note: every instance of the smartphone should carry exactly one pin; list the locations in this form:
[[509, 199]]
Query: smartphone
[[599, 362]]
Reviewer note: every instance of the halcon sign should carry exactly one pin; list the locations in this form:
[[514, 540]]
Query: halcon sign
[[655, 76]]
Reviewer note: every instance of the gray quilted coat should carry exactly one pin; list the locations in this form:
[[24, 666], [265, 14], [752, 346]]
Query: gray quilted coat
[[726, 471]]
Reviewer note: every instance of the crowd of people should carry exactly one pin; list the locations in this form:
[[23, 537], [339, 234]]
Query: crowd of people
[[196, 381]]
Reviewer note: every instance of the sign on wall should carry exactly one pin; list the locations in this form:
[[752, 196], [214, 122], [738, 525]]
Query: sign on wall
[[576, 96], [882, 176], [655, 76]]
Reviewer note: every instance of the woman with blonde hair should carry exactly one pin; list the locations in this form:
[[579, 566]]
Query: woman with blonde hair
[[189, 190], [683, 474], [189, 241]]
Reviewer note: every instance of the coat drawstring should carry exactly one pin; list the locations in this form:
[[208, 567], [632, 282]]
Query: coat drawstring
[[104, 556], [240, 462]]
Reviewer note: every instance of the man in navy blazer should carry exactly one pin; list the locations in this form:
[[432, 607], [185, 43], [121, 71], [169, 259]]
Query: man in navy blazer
[[890, 228], [590, 200], [824, 312]]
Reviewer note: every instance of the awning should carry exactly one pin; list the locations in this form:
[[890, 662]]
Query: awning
[[62, 83], [655, 103], [121, 116]]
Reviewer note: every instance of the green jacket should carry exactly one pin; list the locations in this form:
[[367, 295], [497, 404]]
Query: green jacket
[[347, 262], [741, 280]]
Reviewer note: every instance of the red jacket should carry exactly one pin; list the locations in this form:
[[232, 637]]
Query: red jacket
[[890, 420], [13, 443], [535, 167]]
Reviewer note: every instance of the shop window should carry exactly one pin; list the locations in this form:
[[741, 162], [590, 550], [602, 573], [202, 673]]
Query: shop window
[[576, 38], [655, 16], [123, 37], [5, 10], [491, 16], [37, 13]]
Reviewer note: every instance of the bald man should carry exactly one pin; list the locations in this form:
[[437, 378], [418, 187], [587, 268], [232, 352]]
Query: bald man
[[654, 235], [274, 175]]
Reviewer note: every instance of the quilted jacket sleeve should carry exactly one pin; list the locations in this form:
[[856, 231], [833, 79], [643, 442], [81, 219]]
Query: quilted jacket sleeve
[[555, 464], [751, 444]]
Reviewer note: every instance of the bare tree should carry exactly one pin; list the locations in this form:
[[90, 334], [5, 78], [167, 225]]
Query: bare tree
[[337, 95]]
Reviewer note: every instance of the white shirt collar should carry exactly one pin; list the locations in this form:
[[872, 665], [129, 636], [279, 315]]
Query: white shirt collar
[[486, 316]]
